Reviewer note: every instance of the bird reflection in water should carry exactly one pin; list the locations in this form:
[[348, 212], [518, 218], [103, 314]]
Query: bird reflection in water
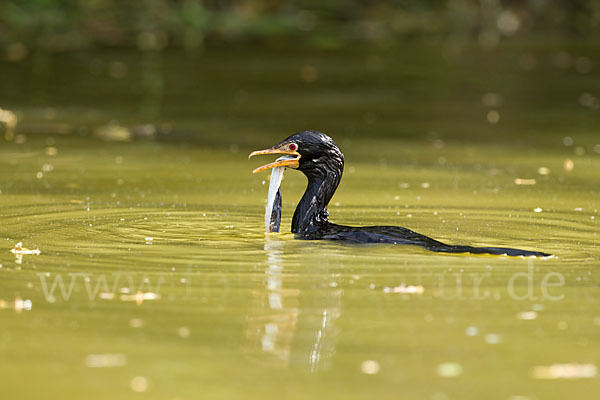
[[290, 327]]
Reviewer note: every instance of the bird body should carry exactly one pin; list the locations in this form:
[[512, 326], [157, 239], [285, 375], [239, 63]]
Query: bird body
[[321, 160]]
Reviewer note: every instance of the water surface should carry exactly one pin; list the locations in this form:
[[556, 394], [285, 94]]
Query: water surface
[[173, 290]]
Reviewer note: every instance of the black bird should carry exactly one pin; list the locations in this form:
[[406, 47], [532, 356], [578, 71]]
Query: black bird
[[318, 157]]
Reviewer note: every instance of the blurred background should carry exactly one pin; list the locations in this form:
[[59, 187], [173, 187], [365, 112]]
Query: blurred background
[[62, 25], [424, 69]]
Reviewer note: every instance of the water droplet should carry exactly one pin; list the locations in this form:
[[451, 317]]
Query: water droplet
[[527, 315]]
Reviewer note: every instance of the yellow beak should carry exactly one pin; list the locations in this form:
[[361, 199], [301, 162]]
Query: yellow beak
[[283, 162]]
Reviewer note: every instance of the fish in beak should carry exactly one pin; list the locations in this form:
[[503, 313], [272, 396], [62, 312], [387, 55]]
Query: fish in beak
[[273, 208], [289, 159]]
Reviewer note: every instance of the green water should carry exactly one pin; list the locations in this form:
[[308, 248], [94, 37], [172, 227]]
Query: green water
[[230, 313]]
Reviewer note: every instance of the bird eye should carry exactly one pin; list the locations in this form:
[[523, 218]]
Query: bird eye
[[293, 146]]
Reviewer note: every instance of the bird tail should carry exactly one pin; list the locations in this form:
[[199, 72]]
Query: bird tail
[[505, 251]]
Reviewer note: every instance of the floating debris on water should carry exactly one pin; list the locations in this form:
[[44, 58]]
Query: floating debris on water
[[18, 304], [543, 171], [19, 249], [21, 305], [139, 384], [527, 315], [149, 239], [139, 297], [568, 165], [523, 181], [471, 331], [493, 338], [404, 289], [183, 331], [370, 367], [538, 210], [106, 296], [105, 360], [51, 151], [449, 370], [136, 322], [114, 132], [9, 119], [565, 371]]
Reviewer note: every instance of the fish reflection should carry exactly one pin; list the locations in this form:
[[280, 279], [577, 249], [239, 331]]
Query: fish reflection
[[289, 327]]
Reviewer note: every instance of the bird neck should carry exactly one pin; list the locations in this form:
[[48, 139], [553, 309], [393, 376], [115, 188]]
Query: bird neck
[[311, 213]]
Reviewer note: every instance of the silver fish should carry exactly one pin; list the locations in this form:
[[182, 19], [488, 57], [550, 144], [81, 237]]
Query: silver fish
[[273, 209]]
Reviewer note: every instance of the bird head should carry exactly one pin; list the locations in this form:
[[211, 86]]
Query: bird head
[[309, 152]]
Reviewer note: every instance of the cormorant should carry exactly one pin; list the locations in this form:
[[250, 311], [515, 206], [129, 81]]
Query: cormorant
[[318, 157]]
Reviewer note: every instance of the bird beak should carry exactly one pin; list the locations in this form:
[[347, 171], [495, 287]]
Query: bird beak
[[290, 158]]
